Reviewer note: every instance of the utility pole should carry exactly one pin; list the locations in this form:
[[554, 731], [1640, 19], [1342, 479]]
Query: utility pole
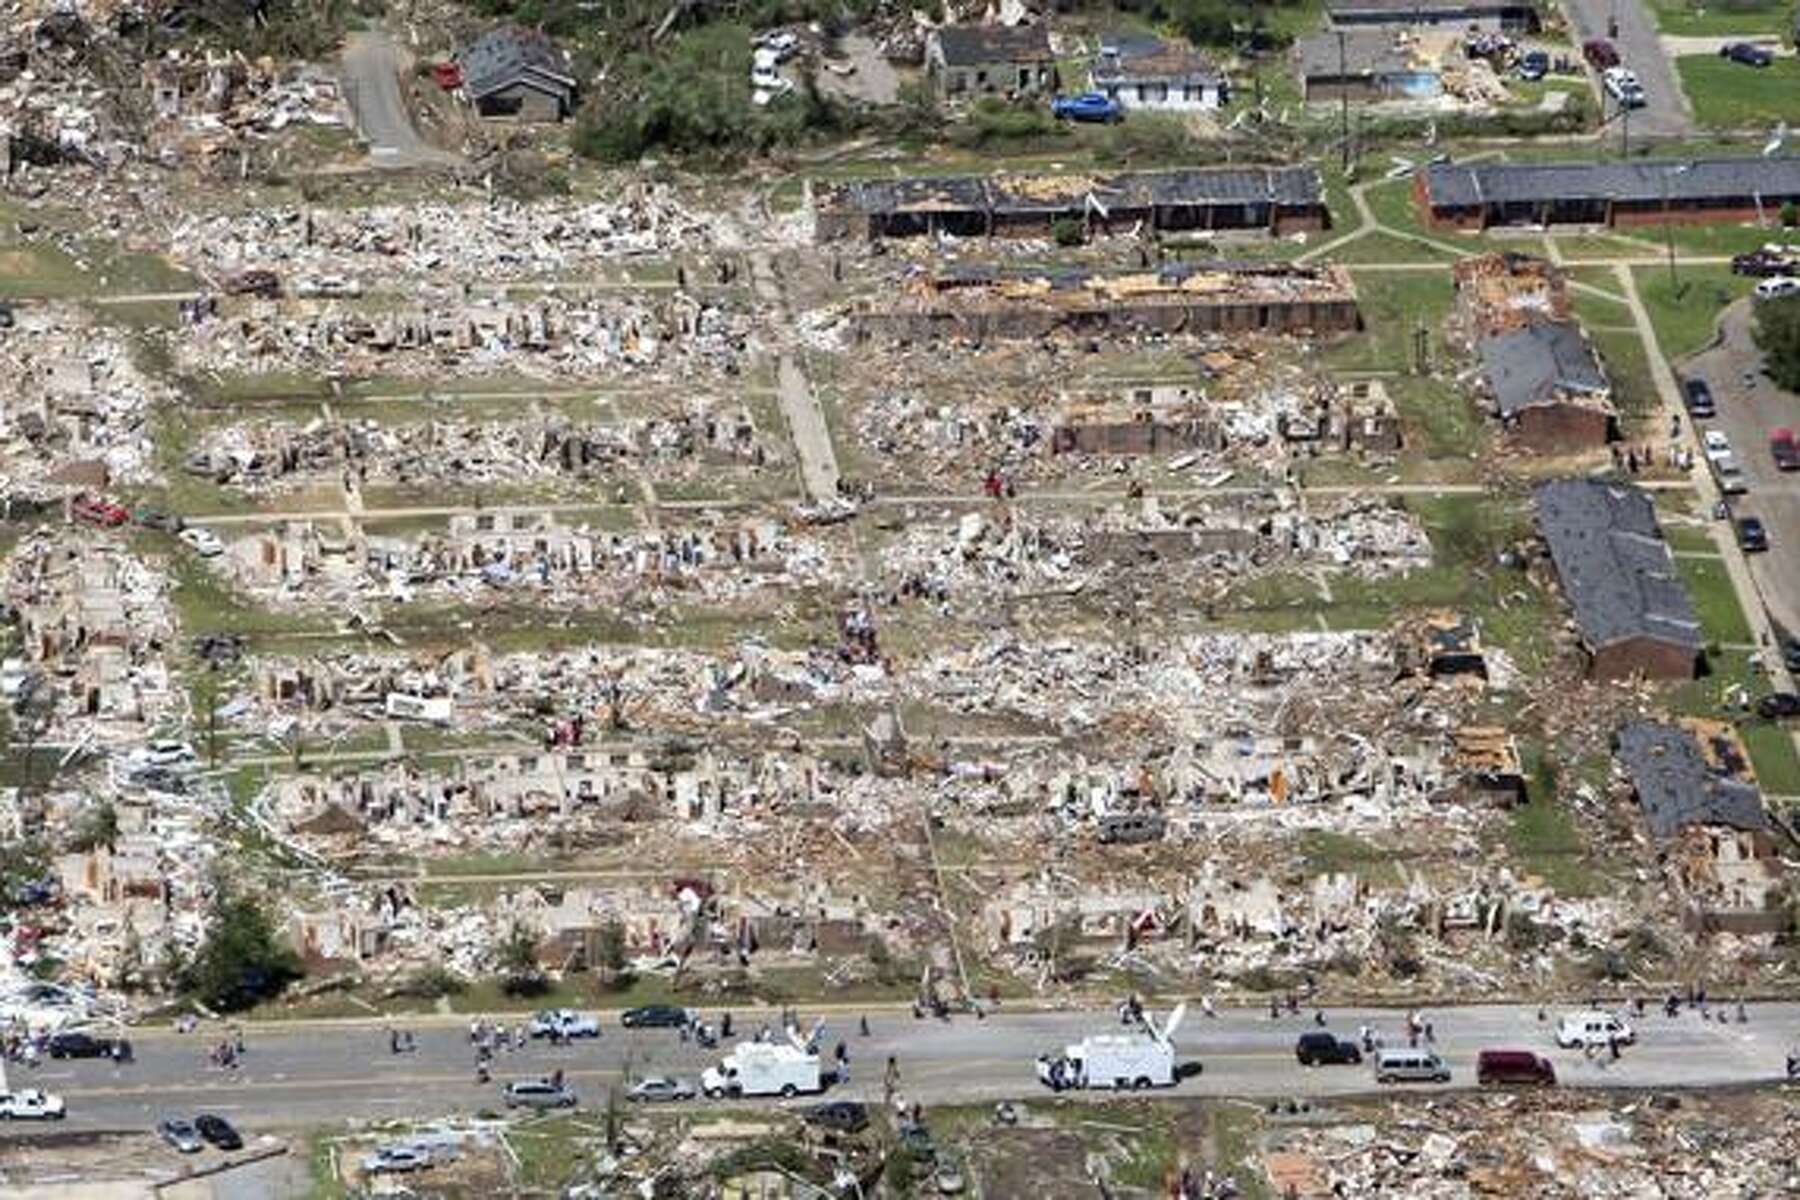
[[1344, 101]]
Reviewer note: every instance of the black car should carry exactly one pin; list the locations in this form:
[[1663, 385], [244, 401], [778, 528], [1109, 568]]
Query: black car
[[845, 1116], [156, 518], [1534, 64], [654, 1016], [1790, 653], [1325, 1048], [1777, 705], [86, 1045], [1751, 535], [1699, 397], [218, 1131], [1748, 53], [1762, 264]]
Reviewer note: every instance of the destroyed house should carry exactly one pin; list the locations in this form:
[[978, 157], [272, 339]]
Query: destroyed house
[[515, 72], [1478, 195], [1548, 387], [1365, 65], [1632, 610], [1677, 788], [1509, 15], [983, 303], [1147, 73], [1150, 420], [1280, 200], [981, 60]]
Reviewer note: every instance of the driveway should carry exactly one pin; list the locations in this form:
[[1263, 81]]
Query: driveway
[[1667, 113], [371, 77], [1749, 407]]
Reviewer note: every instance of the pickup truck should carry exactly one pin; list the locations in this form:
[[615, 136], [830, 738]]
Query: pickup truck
[[1784, 450], [1089, 106], [31, 1105], [564, 1021]]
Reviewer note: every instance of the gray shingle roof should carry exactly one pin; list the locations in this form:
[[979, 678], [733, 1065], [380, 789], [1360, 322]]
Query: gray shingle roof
[[1294, 187], [1366, 52], [1538, 364], [973, 45], [1417, 10], [1131, 59], [508, 55], [1450, 185], [1614, 565], [1675, 786]]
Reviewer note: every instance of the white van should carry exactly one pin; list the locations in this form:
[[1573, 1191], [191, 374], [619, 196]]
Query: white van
[[1577, 1030], [1781, 285], [1402, 1064]]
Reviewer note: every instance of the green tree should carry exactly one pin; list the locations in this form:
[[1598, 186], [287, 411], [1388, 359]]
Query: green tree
[[519, 971], [614, 962], [1778, 337], [242, 960], [98, 825], [21, 862]]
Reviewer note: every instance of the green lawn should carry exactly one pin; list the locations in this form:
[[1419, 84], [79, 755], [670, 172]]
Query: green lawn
[[1547, 842], [1628, 367], [1440, 420], [1394, 304], [1771, 747], [1328, 852], [1715, 601], [1382, 247], [1685, 309], [1692, 18], [1729, 95]]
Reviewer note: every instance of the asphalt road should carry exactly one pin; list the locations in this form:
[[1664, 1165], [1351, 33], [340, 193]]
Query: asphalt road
[[371, 78], [294, 1077], [1749, 406], [1666, 112]]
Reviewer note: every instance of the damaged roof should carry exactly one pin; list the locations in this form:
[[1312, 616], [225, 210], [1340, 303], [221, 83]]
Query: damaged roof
[[1539, 364], [511, 55], [1615, 567], [973, 45], [1363, 52], [1471, 185], [1292, 187], [1676, 787], [1132, 58]]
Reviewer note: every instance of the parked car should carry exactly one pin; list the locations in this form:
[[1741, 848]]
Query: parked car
[[1790, 653], [1763, 263], [1089, 106], [655, 1016], [163, 754], [396, 1160], [1777, 705], [1622, 85], [660, 1087], [1783, 450], [31, 1105], [1577, 1030], [1403, 1064], [156, 518], [1730, 475], [566, 1021], [180, 1133], [1748, 53], [1778, 287], [203, 542], [1533, 65], [1318, 1047], [1716, 444], [1514, 1066], [75, 1044], [537, 1093], [1699, 398], [1600, 54], [1751, 535], [845, 1116], [218, 1131], [96, 511]]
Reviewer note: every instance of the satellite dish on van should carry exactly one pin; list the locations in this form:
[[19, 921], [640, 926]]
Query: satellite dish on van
[[1165, 1034]]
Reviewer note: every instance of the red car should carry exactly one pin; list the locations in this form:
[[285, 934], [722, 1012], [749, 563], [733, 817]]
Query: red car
[[1600, 54], [1784, 451], [104, 513]]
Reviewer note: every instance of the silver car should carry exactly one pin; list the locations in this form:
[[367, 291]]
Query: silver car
[[181, 1133], [537, 1093], [660, 1087]]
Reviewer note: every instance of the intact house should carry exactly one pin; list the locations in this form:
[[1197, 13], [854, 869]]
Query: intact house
[[1708, 822], [1475, 196], [515, 72], [1547, 387], [1278, 200], [1365, 65], [1511, 16], [983, 60], [1631, 608], [1147, 74]]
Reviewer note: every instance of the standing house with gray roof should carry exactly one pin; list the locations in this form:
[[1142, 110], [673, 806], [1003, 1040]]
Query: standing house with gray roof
[[1512, 16], [515, 72], [1473, 196], [1547, 386], [989, 60], [1147, 74], [1619, 576], [1369, 66]]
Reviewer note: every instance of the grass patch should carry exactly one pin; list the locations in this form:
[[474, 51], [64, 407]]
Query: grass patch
[[1685, 311], [1627, 365], [1394, 304], [1330, 853], [1383, 247], [486, 863], [1771, 748], [1729, 95], [1704, 18], [552, 1149], [1715, 600], [1543, 835]]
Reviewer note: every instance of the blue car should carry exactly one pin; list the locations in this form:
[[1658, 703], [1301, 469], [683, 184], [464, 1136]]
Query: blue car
[[1089, 106]]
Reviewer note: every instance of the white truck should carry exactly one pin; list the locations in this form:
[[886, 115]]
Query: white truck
[[764, 1069], [31, 1105], [1140, 1059]]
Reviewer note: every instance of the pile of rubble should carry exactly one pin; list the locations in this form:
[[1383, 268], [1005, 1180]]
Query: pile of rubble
[[488, 241], [554, 337], [76, 412]]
